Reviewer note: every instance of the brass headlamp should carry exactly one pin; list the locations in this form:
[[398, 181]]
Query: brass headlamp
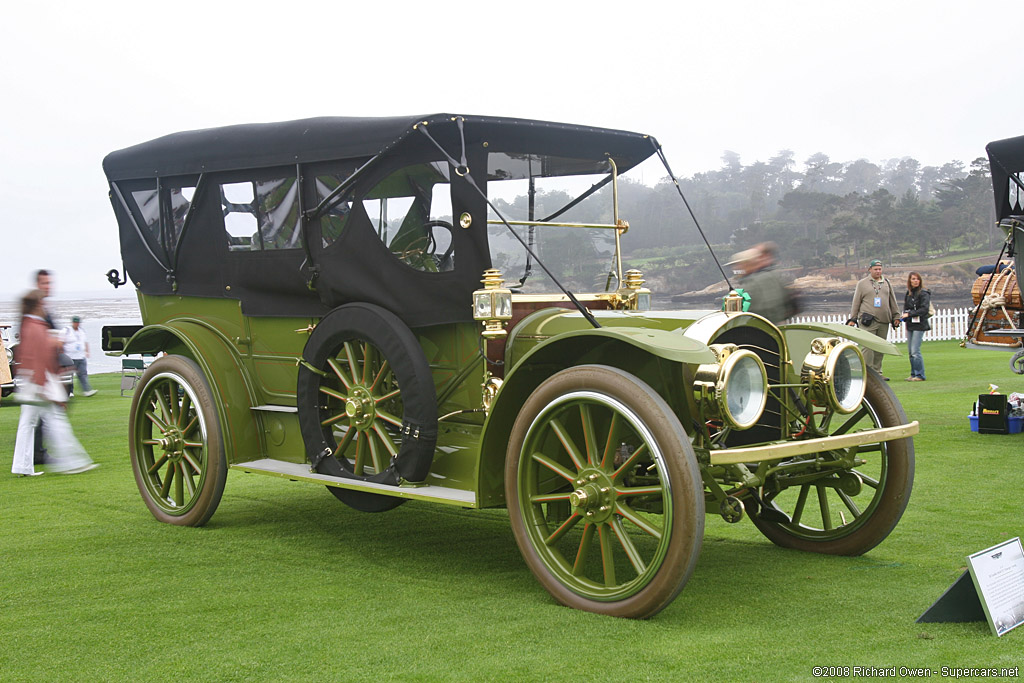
[[735, 389], [834, 371]]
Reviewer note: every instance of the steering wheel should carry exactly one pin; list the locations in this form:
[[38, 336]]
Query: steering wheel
[[444, 258]]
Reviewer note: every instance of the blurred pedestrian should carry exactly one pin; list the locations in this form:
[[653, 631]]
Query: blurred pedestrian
[[874, 309], [76, 346], [768, 296], [916, 304], [44, 283], [43, 396]]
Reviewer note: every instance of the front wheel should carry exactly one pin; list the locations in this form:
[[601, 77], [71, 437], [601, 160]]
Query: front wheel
[[846, 511], [604, 493], [175, 442]]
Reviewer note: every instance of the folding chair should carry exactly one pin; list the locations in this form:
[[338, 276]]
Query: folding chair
[[131, 373]]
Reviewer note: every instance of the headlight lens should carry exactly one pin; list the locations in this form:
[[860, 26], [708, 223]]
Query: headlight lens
[[845, 367], [746, 388], [834, 370], [736, 388]]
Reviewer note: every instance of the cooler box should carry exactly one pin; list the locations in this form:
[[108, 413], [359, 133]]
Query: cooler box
[[992, 415]]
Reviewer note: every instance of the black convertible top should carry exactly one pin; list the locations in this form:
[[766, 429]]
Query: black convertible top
[[256, 145], [173, 244], [1006, 157]]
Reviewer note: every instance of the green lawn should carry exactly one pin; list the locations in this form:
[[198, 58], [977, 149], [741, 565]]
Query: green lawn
[[286, 583]]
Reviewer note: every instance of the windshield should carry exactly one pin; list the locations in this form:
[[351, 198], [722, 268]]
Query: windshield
[[530, 187]]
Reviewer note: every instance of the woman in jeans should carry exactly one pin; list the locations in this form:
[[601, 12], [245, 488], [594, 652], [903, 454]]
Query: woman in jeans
[[915, 316]]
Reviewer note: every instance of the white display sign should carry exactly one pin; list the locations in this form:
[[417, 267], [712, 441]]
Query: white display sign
[[998, 575]]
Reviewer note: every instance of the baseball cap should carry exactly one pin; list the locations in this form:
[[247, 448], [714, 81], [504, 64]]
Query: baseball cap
[[874, 262], [76, 319], [741, 256]]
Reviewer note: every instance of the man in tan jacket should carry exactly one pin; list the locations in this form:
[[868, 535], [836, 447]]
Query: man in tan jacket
[[874, 309]]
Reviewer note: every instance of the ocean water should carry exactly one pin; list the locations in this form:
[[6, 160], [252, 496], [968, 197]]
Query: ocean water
[[95, 313]]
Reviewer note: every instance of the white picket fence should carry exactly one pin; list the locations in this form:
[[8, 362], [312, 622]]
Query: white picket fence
[[947, 323]]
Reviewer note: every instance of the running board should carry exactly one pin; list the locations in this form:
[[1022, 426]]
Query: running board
[[300, 472]]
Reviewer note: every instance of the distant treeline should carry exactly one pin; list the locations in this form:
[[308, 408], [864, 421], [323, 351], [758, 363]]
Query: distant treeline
[[830, 213]]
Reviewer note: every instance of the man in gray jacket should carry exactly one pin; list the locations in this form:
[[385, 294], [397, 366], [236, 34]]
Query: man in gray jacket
[[874, 309]]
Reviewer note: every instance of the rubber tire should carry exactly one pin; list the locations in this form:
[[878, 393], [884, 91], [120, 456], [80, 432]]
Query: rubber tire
[[684, 480], [395, 340], [895, 492], [214, 470]]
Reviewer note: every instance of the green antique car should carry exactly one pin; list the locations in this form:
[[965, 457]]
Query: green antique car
[[435, 309]]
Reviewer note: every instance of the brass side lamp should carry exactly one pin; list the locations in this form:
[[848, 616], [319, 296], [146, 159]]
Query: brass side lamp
[[733, 302], [492, 305], [633, 288]]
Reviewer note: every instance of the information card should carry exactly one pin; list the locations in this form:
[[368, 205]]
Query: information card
[[998, 575]]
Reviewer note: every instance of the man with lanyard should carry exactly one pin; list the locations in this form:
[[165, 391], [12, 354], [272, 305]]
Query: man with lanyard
[[874, 309]]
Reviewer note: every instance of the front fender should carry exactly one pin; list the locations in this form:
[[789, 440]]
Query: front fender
[[652, 355], [800, 335], [229, 381]]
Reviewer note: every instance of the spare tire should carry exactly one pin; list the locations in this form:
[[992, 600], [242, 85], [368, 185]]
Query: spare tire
[[366, 401]]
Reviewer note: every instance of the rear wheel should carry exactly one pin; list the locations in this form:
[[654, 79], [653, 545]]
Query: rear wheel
[[846, 511], [175, 442], [604, 493]]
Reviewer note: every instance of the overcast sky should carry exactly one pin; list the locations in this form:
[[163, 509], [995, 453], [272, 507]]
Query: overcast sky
[[932, 80]]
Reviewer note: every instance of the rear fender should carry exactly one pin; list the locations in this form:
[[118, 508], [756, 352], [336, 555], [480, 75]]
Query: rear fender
[[229, 381]]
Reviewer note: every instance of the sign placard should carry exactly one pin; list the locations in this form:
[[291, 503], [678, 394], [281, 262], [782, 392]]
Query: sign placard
[[992, 589], [998, 575]]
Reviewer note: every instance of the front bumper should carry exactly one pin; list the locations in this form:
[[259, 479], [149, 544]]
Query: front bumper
[[789, 449]]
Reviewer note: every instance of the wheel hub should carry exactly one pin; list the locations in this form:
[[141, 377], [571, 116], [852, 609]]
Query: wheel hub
[[359, 408], [173, 444], [594, 497]]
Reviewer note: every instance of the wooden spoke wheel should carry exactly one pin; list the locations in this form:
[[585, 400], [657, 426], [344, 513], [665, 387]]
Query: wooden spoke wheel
[[367, 407], [848, 510], [176, 448], [604, 493]]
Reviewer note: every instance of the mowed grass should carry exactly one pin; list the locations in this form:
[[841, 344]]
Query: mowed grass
[[286, 583]]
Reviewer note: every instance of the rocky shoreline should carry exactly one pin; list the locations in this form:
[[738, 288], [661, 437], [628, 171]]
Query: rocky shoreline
[[830, 290]]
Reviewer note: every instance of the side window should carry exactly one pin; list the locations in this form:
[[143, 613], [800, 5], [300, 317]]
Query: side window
[[261, 215], [279, 213], [410, 211], [181, 200], [332, 222], [236, 200], [147, 213], [148, 204]]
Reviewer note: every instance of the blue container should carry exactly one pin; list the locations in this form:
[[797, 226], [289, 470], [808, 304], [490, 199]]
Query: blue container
[[1015, 423]]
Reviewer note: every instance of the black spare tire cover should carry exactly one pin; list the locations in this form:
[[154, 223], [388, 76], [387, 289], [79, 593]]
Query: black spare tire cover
[[385, 331]]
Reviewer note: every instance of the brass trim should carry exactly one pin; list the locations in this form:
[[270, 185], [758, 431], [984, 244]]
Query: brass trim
[[780, 451], [615, 219], [516, 296], [602, 226]]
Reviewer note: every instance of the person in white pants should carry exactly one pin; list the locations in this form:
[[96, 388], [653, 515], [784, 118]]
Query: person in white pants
[[43, 396]]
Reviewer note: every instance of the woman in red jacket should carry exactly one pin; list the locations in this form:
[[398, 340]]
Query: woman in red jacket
[[43, 396]]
